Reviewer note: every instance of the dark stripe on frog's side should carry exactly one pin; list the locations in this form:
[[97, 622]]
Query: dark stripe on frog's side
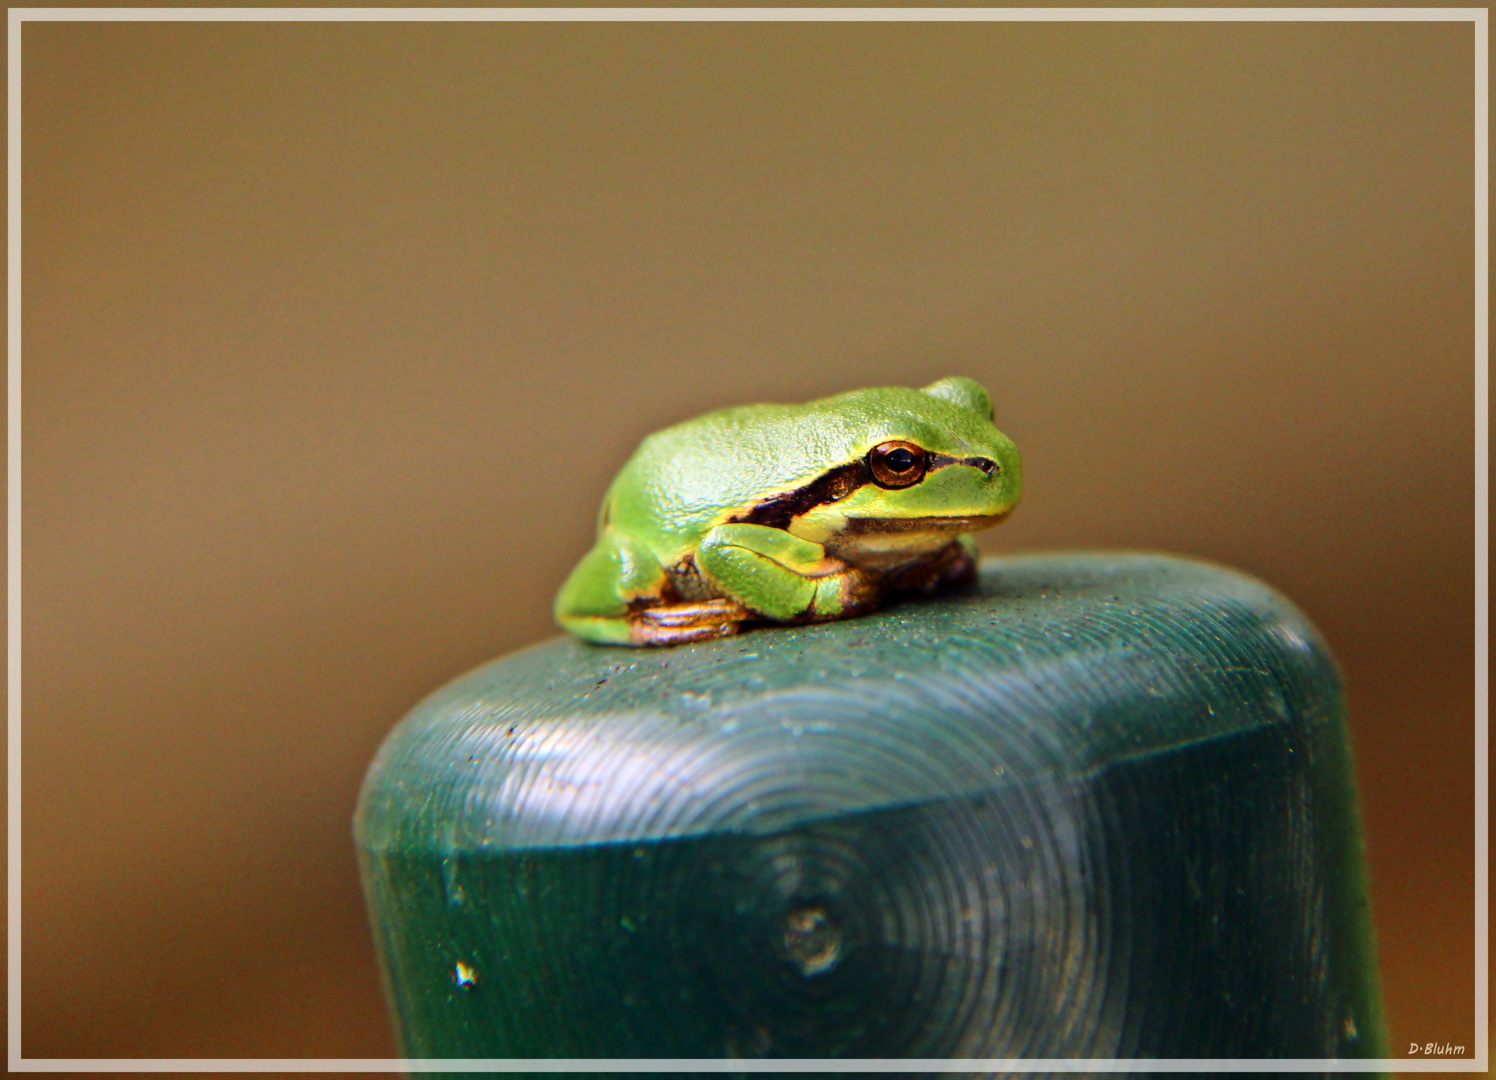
[[834, 486], [831, 486]]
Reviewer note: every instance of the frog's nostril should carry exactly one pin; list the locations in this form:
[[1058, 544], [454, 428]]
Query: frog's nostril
[[988, 467]]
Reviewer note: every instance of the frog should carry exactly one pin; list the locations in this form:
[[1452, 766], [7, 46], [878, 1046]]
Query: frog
[[791, 514]]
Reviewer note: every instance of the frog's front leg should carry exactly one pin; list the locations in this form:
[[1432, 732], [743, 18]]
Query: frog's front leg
[[779, 576], [954, 564]]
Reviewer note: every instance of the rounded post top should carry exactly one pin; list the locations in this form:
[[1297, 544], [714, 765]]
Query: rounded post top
[[1051, 666]]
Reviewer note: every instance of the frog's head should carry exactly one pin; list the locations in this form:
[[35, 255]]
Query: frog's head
[[913, 469], [930, 454]]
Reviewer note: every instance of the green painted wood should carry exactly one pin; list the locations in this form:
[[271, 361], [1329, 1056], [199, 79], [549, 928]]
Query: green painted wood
[[1099, 805]]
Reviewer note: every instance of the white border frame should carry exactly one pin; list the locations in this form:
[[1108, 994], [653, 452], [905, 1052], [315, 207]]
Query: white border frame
[[1478, 17]]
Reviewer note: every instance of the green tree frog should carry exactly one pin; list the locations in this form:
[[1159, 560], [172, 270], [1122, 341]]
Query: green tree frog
[[792, 514]]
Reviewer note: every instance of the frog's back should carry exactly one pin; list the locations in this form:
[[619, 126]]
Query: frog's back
[[687, 478], [684, 479]]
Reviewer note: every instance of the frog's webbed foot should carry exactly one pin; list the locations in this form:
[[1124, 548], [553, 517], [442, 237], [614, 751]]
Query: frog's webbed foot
[[677, 624]]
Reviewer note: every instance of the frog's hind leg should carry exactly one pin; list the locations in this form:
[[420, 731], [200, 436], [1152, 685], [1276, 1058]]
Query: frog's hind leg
[[619, 595], [598, 598], [602, 629]]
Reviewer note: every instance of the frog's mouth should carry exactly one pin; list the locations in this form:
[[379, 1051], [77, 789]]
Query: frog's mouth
[[857, 526]]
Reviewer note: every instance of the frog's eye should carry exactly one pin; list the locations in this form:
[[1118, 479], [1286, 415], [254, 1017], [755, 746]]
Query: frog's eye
[[897, 464]]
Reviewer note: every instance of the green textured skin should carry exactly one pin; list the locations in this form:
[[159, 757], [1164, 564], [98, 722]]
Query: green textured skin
[[683, 483], [1097, 805]]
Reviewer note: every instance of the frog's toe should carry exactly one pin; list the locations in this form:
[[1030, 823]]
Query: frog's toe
[[677, 624]]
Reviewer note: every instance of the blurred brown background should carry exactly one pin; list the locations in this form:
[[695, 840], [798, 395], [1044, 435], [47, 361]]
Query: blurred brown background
[[335, 333]]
